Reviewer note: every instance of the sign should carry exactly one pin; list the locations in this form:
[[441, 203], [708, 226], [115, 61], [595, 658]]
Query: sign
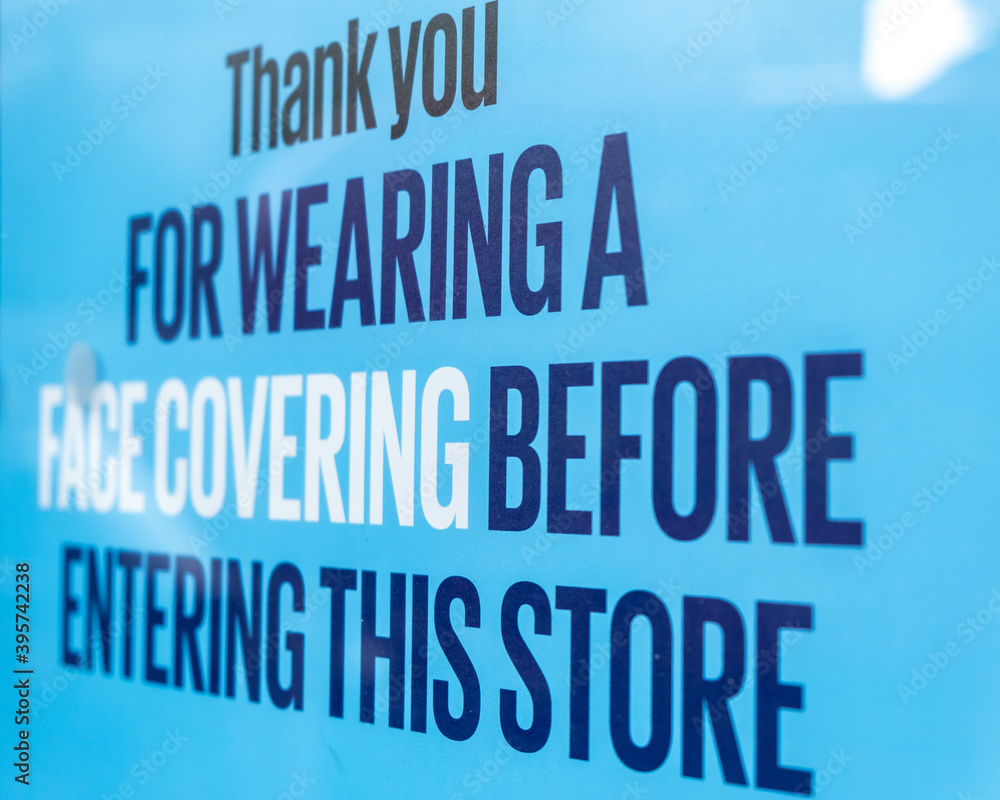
[[499, 400]]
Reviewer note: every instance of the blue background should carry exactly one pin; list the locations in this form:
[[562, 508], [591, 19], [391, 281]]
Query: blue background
[[564, 80]]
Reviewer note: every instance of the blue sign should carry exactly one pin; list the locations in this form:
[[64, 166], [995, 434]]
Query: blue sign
[[572, 399]]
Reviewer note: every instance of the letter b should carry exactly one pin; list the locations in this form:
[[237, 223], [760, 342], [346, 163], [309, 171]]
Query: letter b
[[940, 659], [930, 327], [886, 197], [694, 49], [895, 529], [758, 155], [220, 178]]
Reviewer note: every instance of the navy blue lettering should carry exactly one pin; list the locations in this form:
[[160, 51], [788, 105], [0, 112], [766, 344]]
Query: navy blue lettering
[[760, 453], [685, 527], [581, 603], [505, 446], [821, 448], [651, 755], [714, 694], [458, 728], [563, 447], [615, 181], [391, 647], [532, 738], [284, 696]]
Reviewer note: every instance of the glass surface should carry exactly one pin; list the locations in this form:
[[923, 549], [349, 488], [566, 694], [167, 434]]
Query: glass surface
[[787, 210]]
